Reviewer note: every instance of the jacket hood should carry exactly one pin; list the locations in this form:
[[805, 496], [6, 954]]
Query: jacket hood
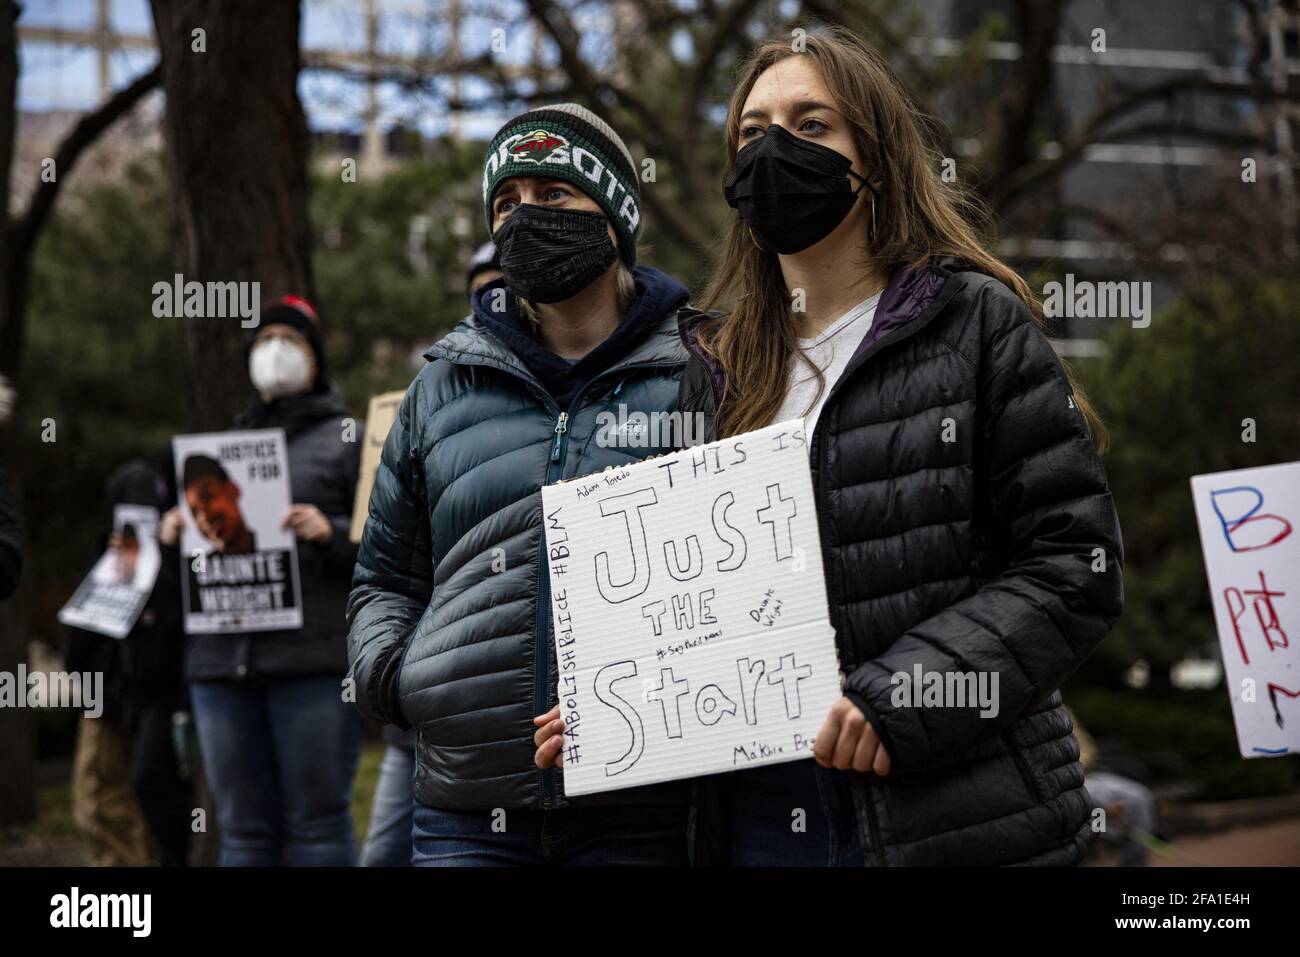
[[647, 333], [910, 291]]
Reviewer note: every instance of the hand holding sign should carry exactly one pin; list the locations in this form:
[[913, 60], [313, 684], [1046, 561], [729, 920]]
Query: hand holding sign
[[549, 739], [847, 741], [691, 627], [169, 530], [309, 523]]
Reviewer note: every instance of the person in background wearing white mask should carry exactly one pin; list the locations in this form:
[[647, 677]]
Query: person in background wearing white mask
[[279, 743]]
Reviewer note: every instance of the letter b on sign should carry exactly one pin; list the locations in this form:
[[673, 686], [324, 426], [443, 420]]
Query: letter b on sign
[[1245, 528]]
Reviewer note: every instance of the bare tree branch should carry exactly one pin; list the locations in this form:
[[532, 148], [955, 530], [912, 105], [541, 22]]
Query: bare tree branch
[[725, 30], [674, 217], [561, 30], [24, 231], [1093, 130], [82, 136], [1027, 90]]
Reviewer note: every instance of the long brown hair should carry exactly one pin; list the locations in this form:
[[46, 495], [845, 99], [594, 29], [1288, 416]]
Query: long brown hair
[[917, 217]]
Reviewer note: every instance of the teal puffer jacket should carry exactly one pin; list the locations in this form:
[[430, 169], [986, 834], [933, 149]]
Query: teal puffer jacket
[[449, 613]]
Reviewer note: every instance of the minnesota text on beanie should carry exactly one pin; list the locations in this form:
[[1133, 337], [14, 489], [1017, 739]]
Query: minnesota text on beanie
[[568, 142]]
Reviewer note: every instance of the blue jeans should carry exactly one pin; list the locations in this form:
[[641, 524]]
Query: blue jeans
[[388, 839], [796, 814], [280, 755], [566, 837]]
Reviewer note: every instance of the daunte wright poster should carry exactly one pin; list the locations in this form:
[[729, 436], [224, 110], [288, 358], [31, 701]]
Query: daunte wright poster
[[240, 566], [110, 599], [691, 627]]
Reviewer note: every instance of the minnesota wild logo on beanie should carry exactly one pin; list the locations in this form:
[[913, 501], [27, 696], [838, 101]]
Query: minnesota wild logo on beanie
[[568, 142]]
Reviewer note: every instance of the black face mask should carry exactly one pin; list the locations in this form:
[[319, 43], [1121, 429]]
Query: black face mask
[[790, 192], [549, 254]]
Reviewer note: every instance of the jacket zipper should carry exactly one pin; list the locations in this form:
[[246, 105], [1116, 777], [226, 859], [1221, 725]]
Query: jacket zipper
[[817, 456], [541, 631]]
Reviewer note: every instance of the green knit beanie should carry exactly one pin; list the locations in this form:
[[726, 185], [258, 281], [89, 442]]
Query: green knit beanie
[[569, 142]]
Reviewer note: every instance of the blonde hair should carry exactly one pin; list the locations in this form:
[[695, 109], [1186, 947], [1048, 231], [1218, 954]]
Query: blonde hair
[[916, 217]]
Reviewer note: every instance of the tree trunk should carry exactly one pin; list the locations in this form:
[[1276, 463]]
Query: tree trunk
[[237, 148], [17, 752], [10, 341], [1027, 91], [17, 245], [24, 230]]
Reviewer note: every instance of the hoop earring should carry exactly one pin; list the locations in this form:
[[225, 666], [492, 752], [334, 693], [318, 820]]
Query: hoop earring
[[749, 229]]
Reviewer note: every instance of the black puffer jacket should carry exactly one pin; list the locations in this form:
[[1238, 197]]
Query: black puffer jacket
[[450, 608], [970, 555], [324, 459]]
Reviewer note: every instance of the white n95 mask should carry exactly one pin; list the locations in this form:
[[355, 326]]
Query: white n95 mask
[[279, 368]]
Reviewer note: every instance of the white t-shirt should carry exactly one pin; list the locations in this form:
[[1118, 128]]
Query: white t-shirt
[[831, 351]]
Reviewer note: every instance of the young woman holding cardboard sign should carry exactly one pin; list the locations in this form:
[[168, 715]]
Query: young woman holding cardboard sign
[[967, 529]]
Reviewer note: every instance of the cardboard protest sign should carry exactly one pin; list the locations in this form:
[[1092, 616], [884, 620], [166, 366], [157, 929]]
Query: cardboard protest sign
[[240, 566], [691, 627], [111, 597], [1252, 559], [379, 422]]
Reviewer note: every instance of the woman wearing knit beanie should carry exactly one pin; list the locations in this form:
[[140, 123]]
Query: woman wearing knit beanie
[[450, 608]]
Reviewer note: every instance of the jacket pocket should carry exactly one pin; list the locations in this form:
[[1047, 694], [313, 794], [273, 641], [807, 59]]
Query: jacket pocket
[[399, 690], [397, 681], [1022, 765]]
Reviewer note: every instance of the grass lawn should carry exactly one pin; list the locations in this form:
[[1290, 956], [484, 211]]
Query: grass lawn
[[53, 838], [363, 788]]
